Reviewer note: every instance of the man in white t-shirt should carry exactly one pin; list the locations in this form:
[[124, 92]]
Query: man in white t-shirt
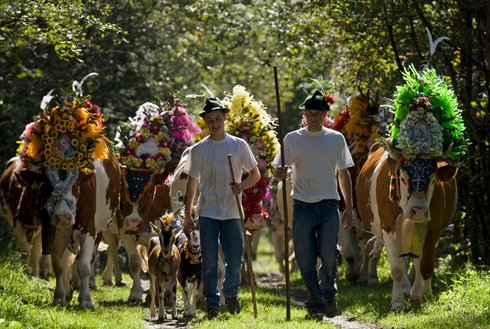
[[316, 156], [219, 218]]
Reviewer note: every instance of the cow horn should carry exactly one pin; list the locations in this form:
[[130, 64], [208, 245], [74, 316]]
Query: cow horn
[[393, 152], [448, 151]]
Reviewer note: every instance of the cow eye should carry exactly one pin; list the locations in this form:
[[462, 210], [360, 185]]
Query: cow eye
[[403, 181]]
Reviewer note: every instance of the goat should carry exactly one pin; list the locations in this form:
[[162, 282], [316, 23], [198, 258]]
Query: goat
[[189, 275], [163, 264]]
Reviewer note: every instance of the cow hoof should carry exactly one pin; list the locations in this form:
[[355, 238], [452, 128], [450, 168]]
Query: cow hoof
[[397, 306], [134, 300], [86, 305], [107, 283], [120, 284]]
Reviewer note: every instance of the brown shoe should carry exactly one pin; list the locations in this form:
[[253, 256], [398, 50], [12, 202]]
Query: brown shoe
[[331, 309]]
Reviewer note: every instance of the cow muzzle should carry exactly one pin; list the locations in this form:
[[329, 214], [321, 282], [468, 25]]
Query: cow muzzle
[[132, 225]]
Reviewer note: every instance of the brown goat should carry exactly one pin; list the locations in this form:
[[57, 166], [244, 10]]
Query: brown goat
[[163, 264]]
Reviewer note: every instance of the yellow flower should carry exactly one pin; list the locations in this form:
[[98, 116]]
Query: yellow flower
[[93, 130], [82, 114], [145, 132], [74, 142], [101, 151], [34, 147], [165, 151], [150, 163], [137, 162]]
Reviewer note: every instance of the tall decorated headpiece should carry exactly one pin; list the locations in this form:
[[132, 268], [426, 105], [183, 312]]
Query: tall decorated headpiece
[[155, 138], [67, 135], [427, 121]]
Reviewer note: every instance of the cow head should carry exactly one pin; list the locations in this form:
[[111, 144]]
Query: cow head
[[144, 199], [414, 180]]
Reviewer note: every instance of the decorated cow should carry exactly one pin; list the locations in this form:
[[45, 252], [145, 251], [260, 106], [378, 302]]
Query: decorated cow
[[406, 190], [66, 154], [150, 146], [20, 205]]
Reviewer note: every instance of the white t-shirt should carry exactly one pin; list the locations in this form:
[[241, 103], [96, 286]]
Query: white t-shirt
[[315, 158], [208, 163]]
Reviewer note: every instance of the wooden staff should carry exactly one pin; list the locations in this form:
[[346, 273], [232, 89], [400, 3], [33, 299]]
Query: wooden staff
[[285, 201], [248, 252]]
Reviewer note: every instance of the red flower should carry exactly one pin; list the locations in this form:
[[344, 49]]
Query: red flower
[[329, 98]]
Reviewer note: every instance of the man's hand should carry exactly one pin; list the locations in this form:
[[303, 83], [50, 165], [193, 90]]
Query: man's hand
[[188, 224], [235, 187], [281, 173], [347, 219]]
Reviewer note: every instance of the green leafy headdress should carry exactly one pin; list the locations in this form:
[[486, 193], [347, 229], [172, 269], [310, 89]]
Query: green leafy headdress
[[427, 121]]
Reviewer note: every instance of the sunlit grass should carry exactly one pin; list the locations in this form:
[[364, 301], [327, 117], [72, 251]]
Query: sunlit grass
[[461, 300]]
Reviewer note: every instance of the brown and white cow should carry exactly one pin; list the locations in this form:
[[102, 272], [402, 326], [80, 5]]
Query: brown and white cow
[[80, 205], [408, 221], [145, 197], [20, 206]]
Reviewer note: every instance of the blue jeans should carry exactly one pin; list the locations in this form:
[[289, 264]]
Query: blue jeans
[[230, 234], [315, 234]]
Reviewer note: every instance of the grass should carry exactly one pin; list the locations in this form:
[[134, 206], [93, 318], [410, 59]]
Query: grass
[[462, 300]]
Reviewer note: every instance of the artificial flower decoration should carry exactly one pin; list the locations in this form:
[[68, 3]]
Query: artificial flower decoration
[[248, 119], [169, 222], [68, 135], [155, 138], [361, 127], [427, 121], [329, 98]]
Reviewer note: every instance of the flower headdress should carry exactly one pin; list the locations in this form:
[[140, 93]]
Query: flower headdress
[[248, 119], [155, 138], [169, 222], [427, 121], [67, 135]]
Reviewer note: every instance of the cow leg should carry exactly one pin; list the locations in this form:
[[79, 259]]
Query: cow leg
[[60, 265], [23, 245], [350, 253], [112, 265], [417, 293], [398, 270], [277, 239], [46, 267], [134, 262], [84, 269], [35, 253]]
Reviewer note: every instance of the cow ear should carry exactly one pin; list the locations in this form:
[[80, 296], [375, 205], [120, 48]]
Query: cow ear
[[445, 172]]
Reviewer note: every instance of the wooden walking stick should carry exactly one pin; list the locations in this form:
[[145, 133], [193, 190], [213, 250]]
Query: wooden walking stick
[[248, 252], [285, 201]]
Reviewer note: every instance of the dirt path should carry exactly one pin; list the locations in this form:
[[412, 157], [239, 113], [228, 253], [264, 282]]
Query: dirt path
[[273, 282]]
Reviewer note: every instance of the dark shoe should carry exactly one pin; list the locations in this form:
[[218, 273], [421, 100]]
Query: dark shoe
[[233, 304], [331, 309], [212, 313], [314, 315]]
